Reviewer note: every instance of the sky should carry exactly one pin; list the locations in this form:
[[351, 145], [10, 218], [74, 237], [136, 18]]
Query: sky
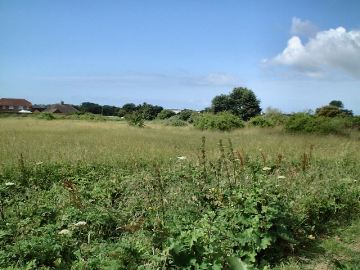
[[295, 55]]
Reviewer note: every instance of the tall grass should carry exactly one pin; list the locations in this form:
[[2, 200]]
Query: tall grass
[[103, 195], [116, 142]]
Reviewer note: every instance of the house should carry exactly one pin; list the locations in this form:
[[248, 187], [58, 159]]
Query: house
[[175, 110], [60, 108], [14, 105], [36, 108]]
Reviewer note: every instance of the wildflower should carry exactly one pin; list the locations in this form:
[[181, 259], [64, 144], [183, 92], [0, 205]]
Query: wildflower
[[311, 237], [9, 184], [181, 158], [64, 232], [80, 223], [266, 169], [39, 163], [281, 177]]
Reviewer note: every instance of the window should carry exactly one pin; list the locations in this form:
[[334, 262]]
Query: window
[[11, 107], [4, 107], [21, 107]]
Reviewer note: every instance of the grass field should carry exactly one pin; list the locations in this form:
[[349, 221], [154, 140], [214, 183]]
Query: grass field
[[111, 142], [259, 195]]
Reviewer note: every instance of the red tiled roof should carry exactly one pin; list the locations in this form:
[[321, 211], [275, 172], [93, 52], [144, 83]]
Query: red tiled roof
[[14, 102]]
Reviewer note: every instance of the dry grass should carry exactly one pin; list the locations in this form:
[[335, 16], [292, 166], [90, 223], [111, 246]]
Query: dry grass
[[111, 142]]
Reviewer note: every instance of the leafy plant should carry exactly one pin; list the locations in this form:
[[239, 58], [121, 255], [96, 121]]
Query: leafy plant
[[224, 121], [135, 119]]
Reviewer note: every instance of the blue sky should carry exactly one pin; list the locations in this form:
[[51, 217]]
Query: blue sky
[[295, 55]]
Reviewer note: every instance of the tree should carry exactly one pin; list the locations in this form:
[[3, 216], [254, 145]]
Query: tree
[[334, 109], [164, 114], [127, 109], [336, 103], [149, 111], [91, 107], [241, 102], [109, 110], [185, 114], [221, 103]]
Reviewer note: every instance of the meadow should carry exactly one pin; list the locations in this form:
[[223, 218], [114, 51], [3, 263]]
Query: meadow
[[78, 194]]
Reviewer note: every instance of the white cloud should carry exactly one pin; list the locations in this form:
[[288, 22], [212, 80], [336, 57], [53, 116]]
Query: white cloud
[[302, 28], [327, 53]]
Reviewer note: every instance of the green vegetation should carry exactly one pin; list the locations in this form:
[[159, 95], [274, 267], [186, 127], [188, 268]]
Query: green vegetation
[[261, 121], [165, 114], [223, 121], [135, 119], [103, 195], [304, 122], [175, 121], [241, 102]]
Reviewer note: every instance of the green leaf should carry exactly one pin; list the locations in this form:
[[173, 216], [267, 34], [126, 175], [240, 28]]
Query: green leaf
[[236, 264]]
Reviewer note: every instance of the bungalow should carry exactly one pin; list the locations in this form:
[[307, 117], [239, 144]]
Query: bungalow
[[60, 108], [14, 105]]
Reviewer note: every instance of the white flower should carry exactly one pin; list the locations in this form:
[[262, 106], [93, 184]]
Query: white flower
[[80, 223], [9, 184], [266, 169], [181, 158], [64, 232], [311, 237], [39, 163], [281, 177]]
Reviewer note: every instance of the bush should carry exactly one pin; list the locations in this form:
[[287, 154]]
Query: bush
[[224, 121], [86, 116], [135, 119], [275, 116], [303, 122], [175, 121], [46, 116], [333, 111], [185, 115], [261, 121], [165, 114]]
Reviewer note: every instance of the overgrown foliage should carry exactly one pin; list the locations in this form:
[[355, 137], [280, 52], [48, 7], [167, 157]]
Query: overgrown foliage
[[304, 122], [175, 121], [135, 119], [242, 102], [261, 121], [165, 114], [181, 215], [223, 121]]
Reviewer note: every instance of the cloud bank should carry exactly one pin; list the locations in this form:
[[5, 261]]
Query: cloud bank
[[328, 53]]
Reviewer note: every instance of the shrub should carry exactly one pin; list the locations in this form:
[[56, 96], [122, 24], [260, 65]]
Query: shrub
[[275, 116], [46, 116], [185, 115], [135, 119], [329, 111], [224, 121], [175, 121], [333, 111], [261, 121], [165, 114], [303, 122], [355, 122]]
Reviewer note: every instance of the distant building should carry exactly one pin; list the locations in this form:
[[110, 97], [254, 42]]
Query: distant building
[[14, 105], [38, 108], [60, 108], [175, 110]]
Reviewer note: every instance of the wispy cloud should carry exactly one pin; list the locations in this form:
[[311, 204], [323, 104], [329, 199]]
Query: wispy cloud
[[304, 28], [186, 79]]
